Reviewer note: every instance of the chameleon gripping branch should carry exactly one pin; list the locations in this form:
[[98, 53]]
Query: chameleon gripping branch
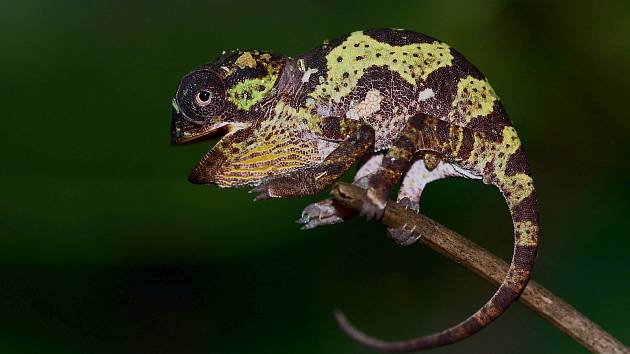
[[485, 264], [407, 107]]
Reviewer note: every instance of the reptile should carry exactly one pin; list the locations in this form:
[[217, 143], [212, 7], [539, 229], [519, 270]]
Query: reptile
[[406, 108]]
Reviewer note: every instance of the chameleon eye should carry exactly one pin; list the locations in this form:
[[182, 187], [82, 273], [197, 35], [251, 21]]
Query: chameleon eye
[[201, 95], [203, 98]]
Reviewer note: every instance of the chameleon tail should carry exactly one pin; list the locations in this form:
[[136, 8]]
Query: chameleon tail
[[511, 176]]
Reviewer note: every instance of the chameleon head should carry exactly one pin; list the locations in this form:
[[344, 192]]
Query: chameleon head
[[223, 96], [229, 98], [197, 107]]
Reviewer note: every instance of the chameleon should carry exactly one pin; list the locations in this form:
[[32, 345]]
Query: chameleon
[[406, 108]]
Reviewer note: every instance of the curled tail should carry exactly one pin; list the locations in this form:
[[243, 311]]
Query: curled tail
[[507, 170]]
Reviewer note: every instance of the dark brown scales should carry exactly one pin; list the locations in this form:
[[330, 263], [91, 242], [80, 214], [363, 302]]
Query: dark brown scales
[[441, 105], [428, 134]]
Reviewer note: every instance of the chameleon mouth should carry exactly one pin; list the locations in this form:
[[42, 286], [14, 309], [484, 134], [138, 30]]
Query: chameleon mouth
[[189, 136], [185, 132]]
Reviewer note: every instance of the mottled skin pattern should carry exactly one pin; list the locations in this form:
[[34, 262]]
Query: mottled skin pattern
[[406, 105]]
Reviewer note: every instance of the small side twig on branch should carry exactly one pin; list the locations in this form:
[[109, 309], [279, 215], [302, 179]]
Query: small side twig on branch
[[490, 267]]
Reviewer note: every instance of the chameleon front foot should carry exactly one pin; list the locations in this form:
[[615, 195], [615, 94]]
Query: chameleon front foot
[[325, 212], [295, 184]]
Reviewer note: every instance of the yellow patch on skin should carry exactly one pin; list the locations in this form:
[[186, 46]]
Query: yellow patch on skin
[[517, 187], [265, 168], [247, 93], [526, 233], [278, 146], [293, 119], [475, 98], [521, 186], [246, 60], [460, 142], [347, 62], [431, 160]]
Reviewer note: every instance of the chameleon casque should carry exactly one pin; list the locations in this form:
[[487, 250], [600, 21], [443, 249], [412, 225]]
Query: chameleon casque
[[406, 107]]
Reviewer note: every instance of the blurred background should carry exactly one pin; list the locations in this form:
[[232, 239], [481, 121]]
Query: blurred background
[[106, 248]]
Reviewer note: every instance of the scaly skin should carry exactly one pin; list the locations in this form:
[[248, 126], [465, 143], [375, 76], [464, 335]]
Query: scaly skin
[[400, 100]]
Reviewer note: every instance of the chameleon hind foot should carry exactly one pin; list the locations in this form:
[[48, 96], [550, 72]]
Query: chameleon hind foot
[[404, 235], [409, 204]]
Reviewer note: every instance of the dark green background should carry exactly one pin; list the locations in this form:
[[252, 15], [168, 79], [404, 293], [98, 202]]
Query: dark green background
[[106, 248]]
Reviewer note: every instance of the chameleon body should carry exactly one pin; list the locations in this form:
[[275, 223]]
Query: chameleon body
[[407, 107]]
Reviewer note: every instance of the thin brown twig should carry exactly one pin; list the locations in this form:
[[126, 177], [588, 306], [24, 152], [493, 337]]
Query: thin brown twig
[[490, 267]]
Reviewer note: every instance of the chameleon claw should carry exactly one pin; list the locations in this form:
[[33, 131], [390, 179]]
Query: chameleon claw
[[263, 192], [304, 219], [410, 205], [403, 235], [262, 196]]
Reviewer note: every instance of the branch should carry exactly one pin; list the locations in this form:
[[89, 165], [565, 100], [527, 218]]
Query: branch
[[492, 268]]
